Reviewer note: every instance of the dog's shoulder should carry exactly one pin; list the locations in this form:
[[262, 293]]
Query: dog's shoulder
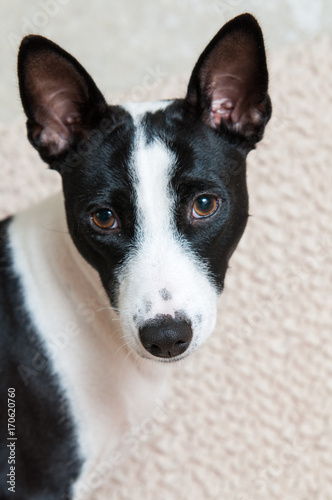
[[26, 369]]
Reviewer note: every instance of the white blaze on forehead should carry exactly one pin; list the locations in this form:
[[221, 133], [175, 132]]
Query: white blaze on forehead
[[138, 109], [153, 164]]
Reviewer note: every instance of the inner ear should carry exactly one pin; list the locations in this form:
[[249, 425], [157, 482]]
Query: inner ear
[[60, 99], [228, 87]]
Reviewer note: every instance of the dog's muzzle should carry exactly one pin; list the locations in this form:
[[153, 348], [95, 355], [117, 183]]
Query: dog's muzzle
[[166, 337]]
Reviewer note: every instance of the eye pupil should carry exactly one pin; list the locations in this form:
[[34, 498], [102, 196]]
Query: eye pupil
[[104, 215], [204, 206], [204, 203]]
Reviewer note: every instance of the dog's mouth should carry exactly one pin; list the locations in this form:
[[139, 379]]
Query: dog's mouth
[[164, 360]]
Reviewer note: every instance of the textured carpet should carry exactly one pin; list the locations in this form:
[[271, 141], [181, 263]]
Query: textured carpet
[[250, 415]]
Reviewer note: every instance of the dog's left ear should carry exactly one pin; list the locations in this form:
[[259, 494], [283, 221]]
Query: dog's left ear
[[229, 84], [60, 99]]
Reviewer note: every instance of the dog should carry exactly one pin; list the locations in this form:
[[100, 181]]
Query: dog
[[108, 282]]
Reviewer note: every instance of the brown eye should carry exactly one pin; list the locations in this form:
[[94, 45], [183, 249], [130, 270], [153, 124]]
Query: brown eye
[[105, 219], [204, 206]]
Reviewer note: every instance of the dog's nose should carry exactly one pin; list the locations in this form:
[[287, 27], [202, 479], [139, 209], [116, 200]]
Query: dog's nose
[[166, 337]]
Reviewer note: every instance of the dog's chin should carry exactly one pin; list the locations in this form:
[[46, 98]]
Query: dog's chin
[[155, 359], [166, 360]]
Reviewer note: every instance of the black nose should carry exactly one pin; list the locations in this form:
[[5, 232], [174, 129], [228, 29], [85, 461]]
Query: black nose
[[166, 337]]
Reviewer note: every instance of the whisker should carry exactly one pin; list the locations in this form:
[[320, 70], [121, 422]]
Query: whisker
[[127, 343]]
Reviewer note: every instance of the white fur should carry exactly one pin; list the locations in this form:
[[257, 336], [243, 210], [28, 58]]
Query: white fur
[[138, 109]]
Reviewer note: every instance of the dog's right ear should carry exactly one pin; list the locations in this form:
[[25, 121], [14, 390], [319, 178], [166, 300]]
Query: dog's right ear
[[60, 99]]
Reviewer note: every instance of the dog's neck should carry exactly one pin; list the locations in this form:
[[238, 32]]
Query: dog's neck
[[81, 333]]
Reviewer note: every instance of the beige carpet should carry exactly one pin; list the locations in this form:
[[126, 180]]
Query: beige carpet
[[250, 415]]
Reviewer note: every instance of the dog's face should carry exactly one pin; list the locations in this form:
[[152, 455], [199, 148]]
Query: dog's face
[[155, 194]]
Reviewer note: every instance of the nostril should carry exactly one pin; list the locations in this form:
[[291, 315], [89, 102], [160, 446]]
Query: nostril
[[180, 343], [155, 350]]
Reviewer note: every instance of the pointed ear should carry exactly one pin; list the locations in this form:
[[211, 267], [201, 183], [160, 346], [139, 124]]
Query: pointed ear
[[60, 99], [229, 84]]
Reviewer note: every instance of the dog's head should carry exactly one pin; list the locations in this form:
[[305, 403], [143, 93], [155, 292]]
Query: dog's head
[[155, 194]]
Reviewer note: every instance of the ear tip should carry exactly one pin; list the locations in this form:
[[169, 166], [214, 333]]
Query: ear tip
[[32, 39], [34, 43], [246, 21], [246, 17]]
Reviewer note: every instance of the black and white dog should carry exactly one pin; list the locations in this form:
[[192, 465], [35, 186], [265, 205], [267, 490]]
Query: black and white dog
[[124, 267]]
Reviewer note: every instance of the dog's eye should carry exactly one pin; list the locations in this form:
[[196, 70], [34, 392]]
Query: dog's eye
[[204, 206], [105, 219]]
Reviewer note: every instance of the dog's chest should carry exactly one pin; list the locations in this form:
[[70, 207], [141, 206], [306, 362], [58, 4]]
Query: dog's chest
[[109, 391]]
